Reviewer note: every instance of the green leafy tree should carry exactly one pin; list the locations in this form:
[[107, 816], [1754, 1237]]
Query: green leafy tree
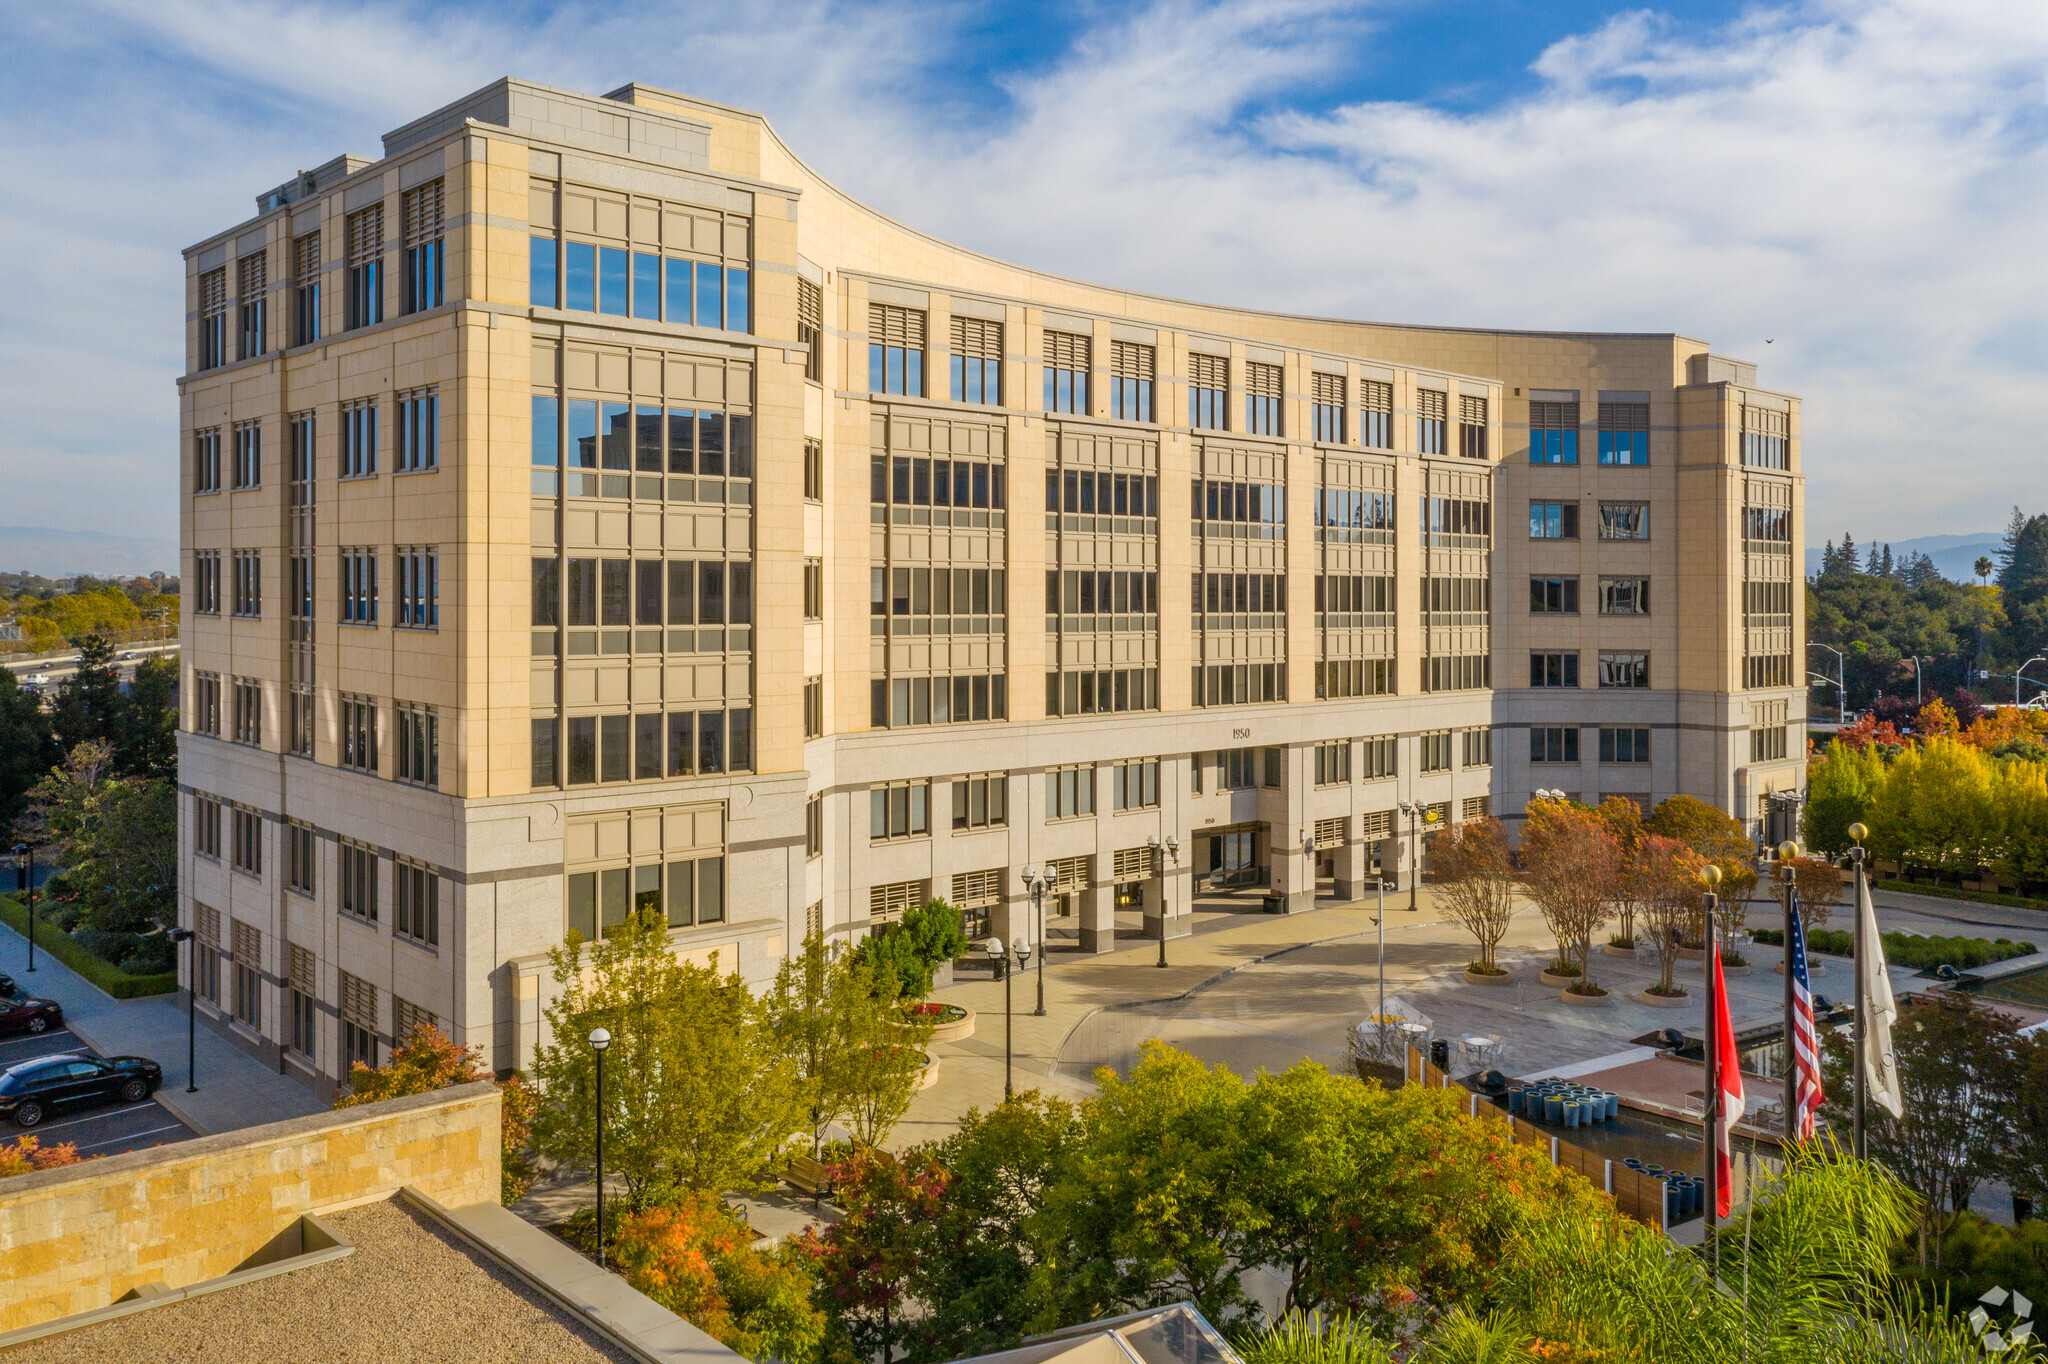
[[699, 1093], [876, 1053], [1153, 1208], [857, 1054], [989, 1271], [1955, 1061], [908, 954], [149, 721], [427, 1061], [90, 707], [28, 747], [1840, 786], [1935, 809], [117, 840]]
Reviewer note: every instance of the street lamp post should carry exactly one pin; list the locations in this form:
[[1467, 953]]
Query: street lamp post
[[1857, 833], [1840, 679], [1035, 883], [1172, 846], [191, 941], [1418, 815], [1790, 895], [1020, 954], [599, 1040], [1710, 1108], [1381, 1016], [25, 881], [2016, 672]]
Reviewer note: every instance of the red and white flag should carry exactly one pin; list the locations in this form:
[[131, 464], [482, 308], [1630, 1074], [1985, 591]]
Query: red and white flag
[[1729, 1083], [1806, 1090]]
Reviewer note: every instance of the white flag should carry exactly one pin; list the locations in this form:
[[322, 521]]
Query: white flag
[[1880, 1068]]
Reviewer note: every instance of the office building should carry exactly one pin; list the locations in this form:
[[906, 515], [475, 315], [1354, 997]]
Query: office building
[[588, 505]]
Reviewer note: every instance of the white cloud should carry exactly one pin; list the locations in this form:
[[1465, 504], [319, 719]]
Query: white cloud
[[1862, 183]]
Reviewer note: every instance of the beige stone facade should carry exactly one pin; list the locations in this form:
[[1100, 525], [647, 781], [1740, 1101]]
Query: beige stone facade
[[646, 521]]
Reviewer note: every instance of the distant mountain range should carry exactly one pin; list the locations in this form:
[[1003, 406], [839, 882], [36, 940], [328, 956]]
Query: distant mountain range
[[61, 553], [1955, 556]]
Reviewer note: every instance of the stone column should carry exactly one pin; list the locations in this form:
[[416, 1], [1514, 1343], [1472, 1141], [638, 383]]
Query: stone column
[[1352, 862], [1098, 918]]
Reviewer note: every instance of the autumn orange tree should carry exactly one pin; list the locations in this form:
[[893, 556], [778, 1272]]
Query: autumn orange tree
[[1664, 878], [1624, 820], [1475, 883], [27, 1155], [695, 1258], [1571, 864], [1718, 837], [427, 1061]]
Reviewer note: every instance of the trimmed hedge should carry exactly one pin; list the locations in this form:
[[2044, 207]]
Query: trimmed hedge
[[1982, 897], [102, 973], [1921, 952]]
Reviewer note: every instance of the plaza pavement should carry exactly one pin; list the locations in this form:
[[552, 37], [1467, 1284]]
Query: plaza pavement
[[1254, 991]]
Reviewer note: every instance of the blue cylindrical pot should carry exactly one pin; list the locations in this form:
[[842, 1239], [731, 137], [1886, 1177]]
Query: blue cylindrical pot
[[1515, 1100], [1613, 1104], [1553, 1108]]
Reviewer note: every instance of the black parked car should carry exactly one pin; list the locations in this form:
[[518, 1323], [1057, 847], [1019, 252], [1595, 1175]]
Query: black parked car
[[31, 1091], [22, 1014], [6, 985]]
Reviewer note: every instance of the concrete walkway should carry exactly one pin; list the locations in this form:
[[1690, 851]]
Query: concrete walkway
[[971, 1071], [235, 1089]]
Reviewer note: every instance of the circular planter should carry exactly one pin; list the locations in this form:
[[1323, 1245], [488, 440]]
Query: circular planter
[[1609, 949], [1729, 970], [929, 1076], [1480, 978], [952, 1029], [1560, 981], [1814, 966], [1662, 1001], [1587, 1001]]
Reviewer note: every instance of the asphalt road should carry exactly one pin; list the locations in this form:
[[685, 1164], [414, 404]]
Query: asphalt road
[[104, 1131]]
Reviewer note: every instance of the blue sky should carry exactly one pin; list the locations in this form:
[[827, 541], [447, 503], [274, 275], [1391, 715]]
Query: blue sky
[[1862, 184]]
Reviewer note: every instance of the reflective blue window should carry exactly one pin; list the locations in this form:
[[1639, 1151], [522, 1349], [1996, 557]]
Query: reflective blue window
[[611, 280], [875, 368], [736, 317], [583, 433], [618, 435], [547, 431], [711, 443], [682, 428], [580, 276], [710, 306], [647, 286], [739, 439], [1554, 447], [540, 273], [1624, 447]]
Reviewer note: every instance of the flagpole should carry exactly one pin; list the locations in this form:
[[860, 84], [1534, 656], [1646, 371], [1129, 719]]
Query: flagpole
[[1786, 852], [1710, 1113], [1858, 833]]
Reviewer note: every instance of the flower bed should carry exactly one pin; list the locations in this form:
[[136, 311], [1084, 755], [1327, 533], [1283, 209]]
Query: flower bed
[[948, 1022]]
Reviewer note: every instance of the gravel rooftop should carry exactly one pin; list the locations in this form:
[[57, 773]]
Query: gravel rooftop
[[410, 1292]]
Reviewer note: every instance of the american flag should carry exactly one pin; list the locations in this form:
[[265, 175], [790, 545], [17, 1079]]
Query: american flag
[[1806, 1091]]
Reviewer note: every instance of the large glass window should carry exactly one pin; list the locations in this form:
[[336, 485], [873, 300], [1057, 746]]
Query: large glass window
[[543, 280]]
